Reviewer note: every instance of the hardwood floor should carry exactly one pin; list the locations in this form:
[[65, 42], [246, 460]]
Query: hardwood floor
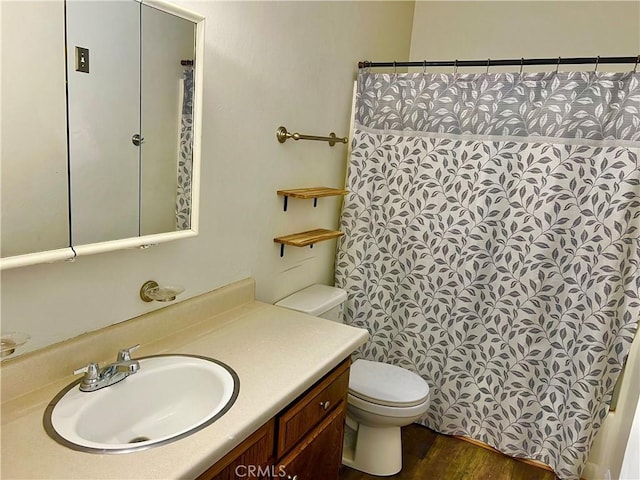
[[427, 455]]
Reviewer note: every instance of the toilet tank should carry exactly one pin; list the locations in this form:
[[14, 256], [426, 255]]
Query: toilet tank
[[317, 300]]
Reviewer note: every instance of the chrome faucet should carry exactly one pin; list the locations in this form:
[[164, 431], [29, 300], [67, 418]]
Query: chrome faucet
[[96, 378]]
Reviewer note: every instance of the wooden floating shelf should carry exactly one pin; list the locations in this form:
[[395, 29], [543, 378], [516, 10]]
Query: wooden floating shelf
[[311, 192], [304, 239], [310, 237]]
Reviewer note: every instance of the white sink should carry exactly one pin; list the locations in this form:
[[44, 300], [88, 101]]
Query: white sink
[[170, 397]]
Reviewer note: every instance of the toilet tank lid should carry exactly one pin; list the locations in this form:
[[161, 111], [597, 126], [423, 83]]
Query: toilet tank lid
[[314, 300]]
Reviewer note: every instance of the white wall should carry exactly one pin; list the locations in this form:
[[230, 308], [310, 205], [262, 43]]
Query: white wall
[[515, 29], [266, 64]]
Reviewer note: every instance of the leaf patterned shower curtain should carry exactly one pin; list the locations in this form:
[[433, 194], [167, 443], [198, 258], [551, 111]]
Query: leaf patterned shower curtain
[[185, 155], [492, 246]]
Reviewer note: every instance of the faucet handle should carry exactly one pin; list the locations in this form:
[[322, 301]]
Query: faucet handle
[[91, 371], [124, 355]]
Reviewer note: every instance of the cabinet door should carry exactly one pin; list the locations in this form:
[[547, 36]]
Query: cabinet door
[[103, 115], [166, 118], [319, 454], [251, 459], [34, 197], [295, 422]]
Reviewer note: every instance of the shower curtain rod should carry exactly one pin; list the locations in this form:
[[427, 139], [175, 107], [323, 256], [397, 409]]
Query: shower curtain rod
[[505, 62]]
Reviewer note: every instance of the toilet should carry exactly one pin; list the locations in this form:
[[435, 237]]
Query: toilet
[[382, 397]]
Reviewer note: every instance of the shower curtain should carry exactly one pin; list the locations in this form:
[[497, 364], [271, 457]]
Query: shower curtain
[[185, 154], [491, 245]]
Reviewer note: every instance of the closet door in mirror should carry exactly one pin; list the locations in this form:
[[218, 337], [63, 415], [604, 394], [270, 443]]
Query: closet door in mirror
[[104, 117], [33, 145]]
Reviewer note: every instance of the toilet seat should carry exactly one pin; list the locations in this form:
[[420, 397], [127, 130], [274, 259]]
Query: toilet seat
[[385, 410], [386, 385]]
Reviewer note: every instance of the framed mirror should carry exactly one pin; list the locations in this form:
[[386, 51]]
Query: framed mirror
[[112, 161]]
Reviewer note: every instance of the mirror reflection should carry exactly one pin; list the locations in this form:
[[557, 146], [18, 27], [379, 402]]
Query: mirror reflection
[[110, 158], [33, 145], [167, 92]]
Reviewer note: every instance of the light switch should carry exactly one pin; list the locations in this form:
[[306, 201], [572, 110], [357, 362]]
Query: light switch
[[82, 60]]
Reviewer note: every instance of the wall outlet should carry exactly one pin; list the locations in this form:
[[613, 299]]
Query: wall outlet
[[82, 60]]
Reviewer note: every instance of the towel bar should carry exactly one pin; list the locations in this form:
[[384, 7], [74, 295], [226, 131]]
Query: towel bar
[[282, 135]]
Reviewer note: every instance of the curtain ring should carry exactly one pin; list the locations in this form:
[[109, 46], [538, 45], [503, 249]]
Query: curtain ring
[[635, 69], [521, 64], [558, 64], [488, 63], [424, 67], [595, 70]]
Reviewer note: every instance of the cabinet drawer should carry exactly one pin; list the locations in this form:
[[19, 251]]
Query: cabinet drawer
[[315, 405]]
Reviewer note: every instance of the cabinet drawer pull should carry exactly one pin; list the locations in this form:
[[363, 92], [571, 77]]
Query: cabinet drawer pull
[[325, 405]]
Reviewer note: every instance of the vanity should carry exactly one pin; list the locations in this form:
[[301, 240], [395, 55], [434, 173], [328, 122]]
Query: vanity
[[308, 442], [287, 420]]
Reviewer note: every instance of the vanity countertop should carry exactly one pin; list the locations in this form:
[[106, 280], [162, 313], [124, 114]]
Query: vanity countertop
[[276, 353]]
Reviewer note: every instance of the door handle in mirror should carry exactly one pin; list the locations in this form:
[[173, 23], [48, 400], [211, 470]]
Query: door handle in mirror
[[137, 139]]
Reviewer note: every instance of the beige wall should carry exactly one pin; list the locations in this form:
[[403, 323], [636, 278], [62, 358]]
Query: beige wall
[[515, 29], [266, 64]]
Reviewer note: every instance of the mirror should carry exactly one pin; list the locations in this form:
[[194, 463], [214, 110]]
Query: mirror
[[33, 142], [112, 162]]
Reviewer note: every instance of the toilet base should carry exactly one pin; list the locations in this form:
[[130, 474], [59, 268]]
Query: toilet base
[[373, 450]]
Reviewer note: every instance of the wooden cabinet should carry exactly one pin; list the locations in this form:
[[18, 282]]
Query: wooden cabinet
[[250, 459], [300, 417], [303, 442], [319, 454]]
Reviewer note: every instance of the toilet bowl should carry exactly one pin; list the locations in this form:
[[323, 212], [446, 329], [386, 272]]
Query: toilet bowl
[[382, 398]]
